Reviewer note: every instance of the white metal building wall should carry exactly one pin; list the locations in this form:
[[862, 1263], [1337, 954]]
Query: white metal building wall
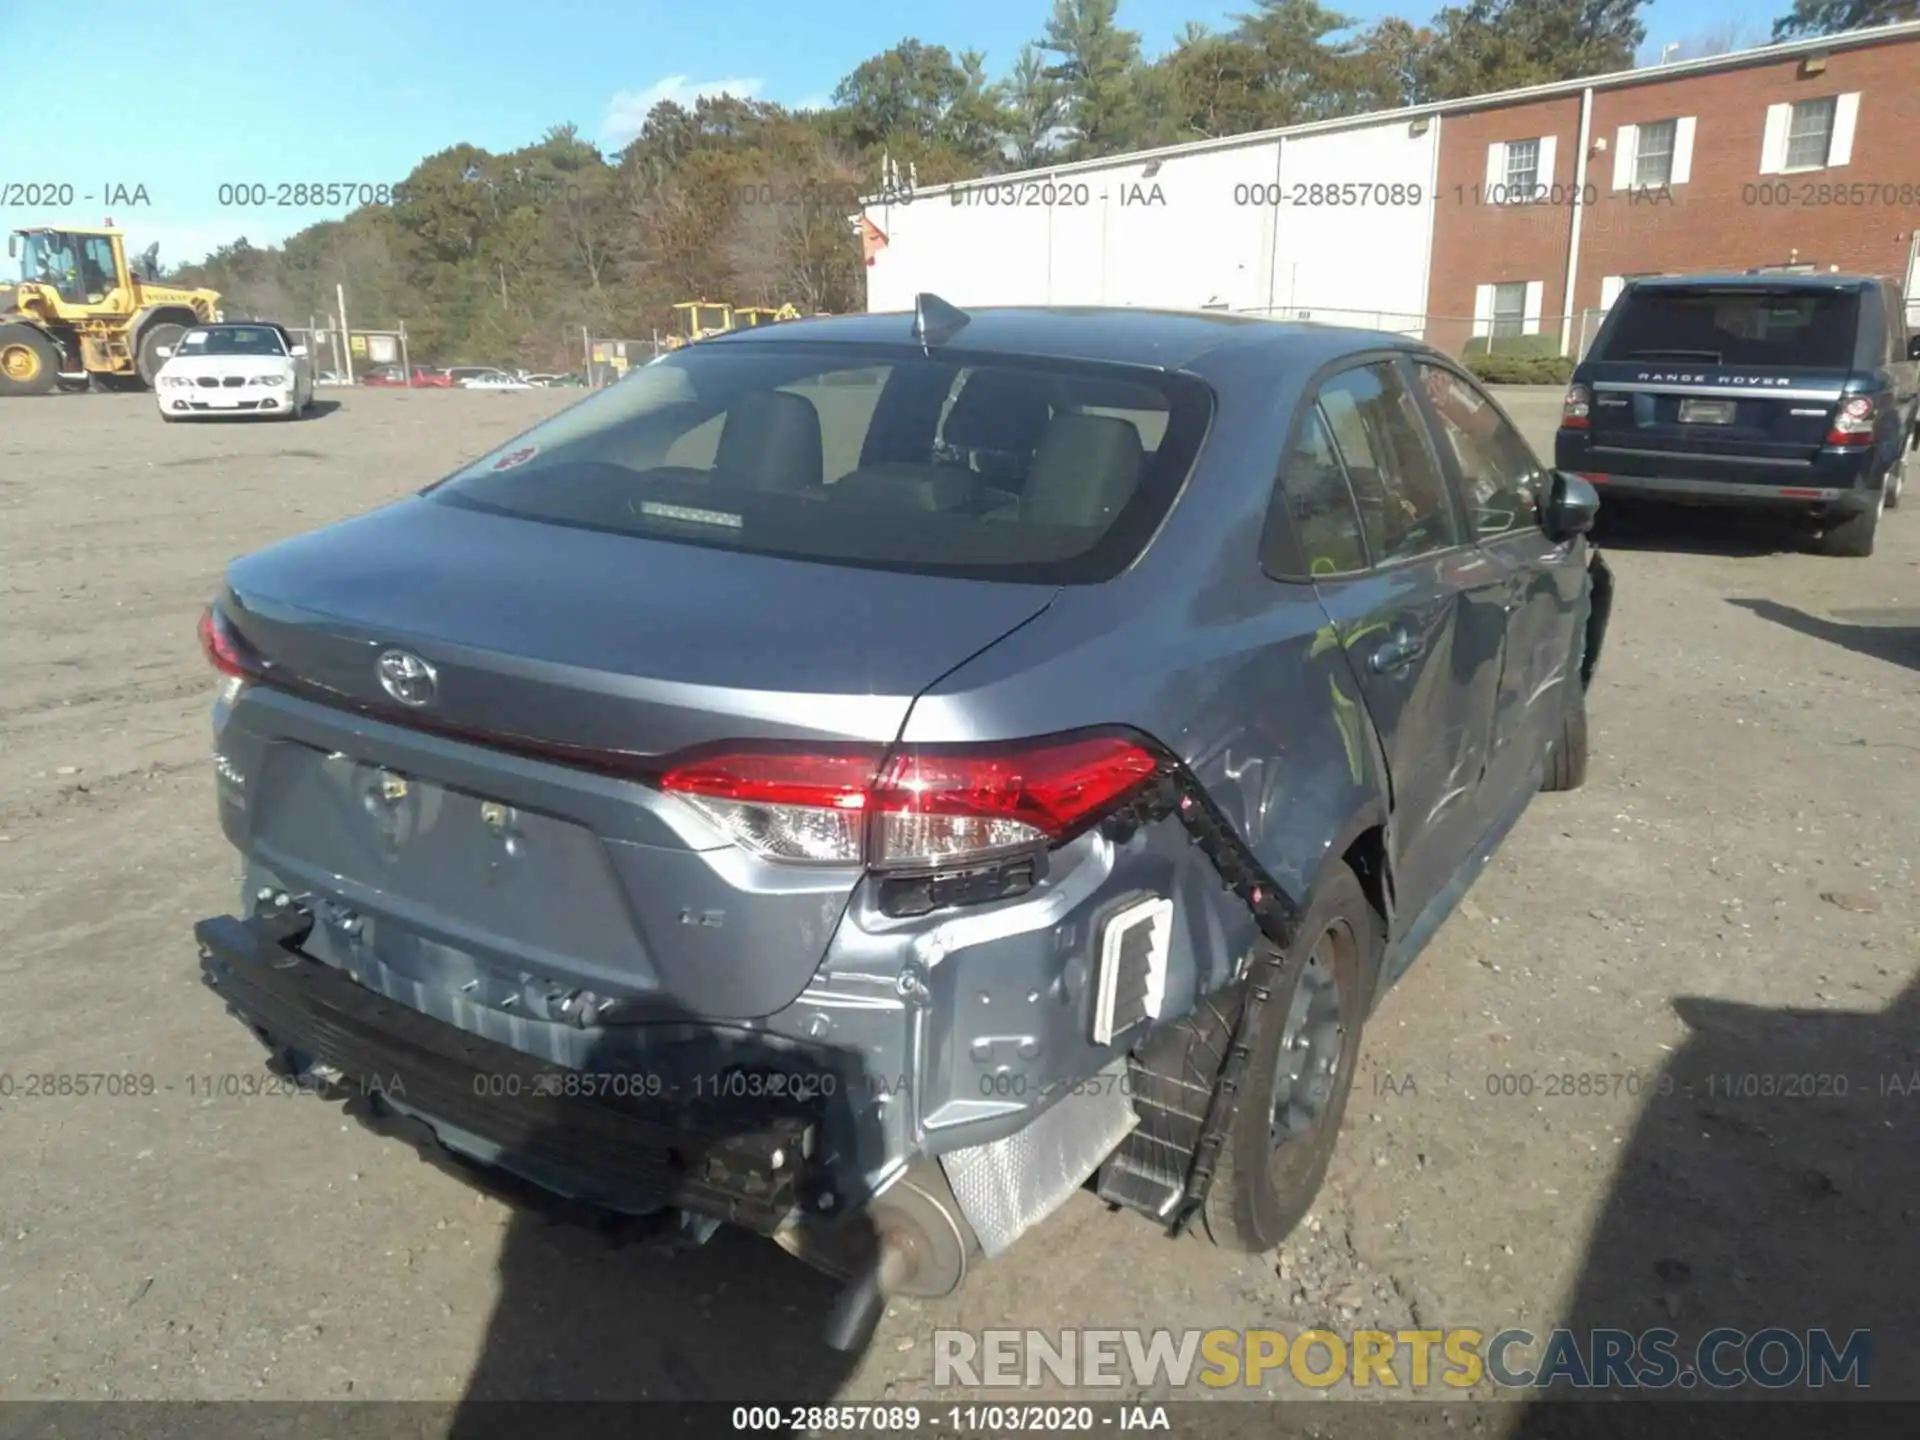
[[1181, 231]]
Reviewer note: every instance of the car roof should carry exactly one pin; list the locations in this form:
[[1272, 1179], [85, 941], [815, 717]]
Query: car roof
[[1769, 280], [1122, 335]]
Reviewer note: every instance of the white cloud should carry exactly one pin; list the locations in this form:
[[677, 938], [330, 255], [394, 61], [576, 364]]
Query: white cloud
[[627, 111], [822, 101]]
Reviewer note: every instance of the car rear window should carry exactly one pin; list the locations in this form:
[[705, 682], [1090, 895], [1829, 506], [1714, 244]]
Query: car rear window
[[1736, 326], [997, 467]]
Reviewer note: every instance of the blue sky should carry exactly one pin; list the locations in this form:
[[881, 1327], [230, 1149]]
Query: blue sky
[[180, 99]]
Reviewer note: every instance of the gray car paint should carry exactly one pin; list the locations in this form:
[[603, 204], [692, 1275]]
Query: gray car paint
[[1260, 686]]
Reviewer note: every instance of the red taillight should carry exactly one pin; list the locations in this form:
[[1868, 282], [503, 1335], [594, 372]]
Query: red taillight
[[929, 807], [1853, 422], [1576, 408], [222, 650]]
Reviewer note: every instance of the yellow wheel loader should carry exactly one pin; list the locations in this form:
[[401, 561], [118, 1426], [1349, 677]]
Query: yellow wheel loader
[[79, 312], [748, 316], [699, 319]]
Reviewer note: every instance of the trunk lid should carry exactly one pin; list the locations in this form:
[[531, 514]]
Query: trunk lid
[[1738, 372], [453, 849]]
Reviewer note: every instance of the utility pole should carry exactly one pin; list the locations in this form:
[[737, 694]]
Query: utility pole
[[346, 341]]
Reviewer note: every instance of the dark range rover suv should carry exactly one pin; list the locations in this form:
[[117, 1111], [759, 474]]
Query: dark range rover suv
[[1776, 390]]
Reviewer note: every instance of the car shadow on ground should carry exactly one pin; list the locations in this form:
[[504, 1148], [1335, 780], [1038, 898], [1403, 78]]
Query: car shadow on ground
[[598, 1310], [1896, 639], [1771, 1182], [1697, 530], [318, 409]]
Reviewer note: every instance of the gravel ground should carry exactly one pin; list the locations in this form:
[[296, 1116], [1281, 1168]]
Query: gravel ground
[[1729, 897]]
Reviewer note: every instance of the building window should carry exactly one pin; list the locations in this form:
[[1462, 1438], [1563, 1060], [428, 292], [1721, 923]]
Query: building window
[[1653, 154], [1523, 170], [1810, 133], [1510, 309]]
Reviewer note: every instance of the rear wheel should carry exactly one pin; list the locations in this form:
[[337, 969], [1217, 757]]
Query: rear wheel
[[1853, 537], [29, 363], [151, 339], [1305, 1043], [1897, 479]]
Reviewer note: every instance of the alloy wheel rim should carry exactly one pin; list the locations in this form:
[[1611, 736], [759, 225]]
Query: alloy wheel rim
[[1312, 1039]]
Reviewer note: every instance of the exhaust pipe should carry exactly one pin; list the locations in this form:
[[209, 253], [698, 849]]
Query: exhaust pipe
[[912, 1240], [863, 1303]]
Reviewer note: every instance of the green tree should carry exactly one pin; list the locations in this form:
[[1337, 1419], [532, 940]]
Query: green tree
[[1094, 64], [1831, 17]]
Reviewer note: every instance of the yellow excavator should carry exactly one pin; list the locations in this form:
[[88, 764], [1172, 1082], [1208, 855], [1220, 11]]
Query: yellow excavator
[[80, 312]]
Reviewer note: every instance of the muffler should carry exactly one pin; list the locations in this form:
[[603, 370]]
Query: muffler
[[911, 1241]]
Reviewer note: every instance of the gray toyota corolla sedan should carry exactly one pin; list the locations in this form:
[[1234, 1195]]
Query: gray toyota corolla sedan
[[862, 779]]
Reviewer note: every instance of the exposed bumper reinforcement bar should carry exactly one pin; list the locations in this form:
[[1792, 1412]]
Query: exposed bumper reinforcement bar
[[745, 1169]]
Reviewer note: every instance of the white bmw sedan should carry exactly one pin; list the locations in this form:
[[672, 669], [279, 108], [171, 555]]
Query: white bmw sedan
[[250, 369]]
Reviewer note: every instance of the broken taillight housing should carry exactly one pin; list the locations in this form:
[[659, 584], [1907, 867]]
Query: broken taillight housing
[[1576, 409], [919, 808], [1853, 422]]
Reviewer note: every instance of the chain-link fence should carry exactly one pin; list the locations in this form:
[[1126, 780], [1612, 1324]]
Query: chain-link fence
[[342, 359], [610, 359]]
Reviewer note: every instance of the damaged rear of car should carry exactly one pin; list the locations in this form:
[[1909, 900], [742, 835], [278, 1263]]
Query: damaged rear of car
[[857, 785]]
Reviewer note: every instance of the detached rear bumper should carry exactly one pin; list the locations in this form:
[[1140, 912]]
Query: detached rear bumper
[[740, 1165]]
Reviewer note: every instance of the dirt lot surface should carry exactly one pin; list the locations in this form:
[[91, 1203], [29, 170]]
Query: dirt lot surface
[[1720, 931]]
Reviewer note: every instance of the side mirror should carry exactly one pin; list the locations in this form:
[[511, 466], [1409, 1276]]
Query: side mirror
[[1572, 505], [163, 351], [299, 352], [1913, 347]]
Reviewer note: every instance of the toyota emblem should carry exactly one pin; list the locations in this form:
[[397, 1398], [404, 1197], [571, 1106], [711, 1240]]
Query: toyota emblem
[[407, 678]]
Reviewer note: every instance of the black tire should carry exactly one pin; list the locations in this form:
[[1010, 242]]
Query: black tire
[[1567, 764], [120, 384], [29, 362], [1267, 1178], [154, 336], [1853, 537]]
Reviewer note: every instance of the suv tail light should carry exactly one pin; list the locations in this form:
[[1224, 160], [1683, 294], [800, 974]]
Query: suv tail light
[[1575, 409], [921, 808], [1853, 422]]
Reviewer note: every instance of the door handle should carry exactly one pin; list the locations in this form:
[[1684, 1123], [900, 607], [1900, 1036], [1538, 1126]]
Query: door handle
[[1398, 653]]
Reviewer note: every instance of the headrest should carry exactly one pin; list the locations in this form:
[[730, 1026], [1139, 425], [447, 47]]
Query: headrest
[[1084, 472], [997, 410], [771, 441]]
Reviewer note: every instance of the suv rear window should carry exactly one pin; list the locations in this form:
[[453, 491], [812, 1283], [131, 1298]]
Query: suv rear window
[[1736, 326], [1005, 468]]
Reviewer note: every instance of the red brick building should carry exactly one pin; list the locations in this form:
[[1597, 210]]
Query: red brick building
[[1805, 154]]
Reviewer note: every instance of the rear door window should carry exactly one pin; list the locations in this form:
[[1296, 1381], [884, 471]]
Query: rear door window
[[1051, 472], [1320, 506], [1377, 431], [1743, 325], [1500, 480]]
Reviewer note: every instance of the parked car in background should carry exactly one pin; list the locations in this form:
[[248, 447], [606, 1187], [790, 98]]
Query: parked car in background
[[254, 369], [330, 377], [462, 373], [498, 380], [1013, 782], [424, 378], [1790, 392], [385, 377]]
